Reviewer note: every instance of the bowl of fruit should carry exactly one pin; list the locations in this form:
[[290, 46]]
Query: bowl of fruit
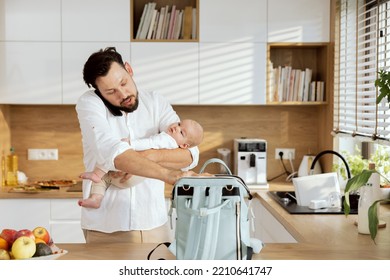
[[25, 244]]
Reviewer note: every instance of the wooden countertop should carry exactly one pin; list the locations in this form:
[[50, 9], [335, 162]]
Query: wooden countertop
[[49, 193], [323, 229], [275, 251], [320, 237]]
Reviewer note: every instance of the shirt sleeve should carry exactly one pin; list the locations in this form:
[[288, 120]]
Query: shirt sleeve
[[95, 129], [158, 141]]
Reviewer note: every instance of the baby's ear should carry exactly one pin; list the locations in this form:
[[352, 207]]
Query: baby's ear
[[184, 146]]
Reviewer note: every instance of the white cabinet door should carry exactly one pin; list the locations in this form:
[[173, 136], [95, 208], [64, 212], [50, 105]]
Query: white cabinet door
[[298, 20], [233, 21], [170, 69], [27, 20], [75, 54], [232, 73], [267, 228], [96, 20], [30, 73], [65, 216], [24, 213]]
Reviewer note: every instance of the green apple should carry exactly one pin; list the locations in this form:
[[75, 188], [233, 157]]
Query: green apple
[[4, 255], [23, 248]]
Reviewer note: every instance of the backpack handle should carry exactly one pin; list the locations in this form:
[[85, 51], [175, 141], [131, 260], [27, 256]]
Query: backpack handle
[[215, 160]]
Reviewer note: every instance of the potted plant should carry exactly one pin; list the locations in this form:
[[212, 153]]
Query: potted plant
[[354, 184]]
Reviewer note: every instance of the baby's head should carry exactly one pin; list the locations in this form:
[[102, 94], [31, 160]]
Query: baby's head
[[187, 133]]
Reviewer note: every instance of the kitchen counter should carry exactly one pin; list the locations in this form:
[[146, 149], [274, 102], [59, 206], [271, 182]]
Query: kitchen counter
[[323, 229], [285, 251], [320, 237], [49, 193]]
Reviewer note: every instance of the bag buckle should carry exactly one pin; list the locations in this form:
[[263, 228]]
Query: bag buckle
[[203, 212]]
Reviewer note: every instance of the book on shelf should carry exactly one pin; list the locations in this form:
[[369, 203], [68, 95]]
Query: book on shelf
[[171, 22], [187, 23], [151, 25], [194, 23], [160, 23], [164, 32], [306, 96], [147, 21], [141, 22], [177, 26]]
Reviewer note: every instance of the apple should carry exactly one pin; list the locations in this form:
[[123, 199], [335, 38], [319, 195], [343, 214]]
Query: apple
[[24, 232], [42, 233], [8, 235], [4, 255], [23, 248]]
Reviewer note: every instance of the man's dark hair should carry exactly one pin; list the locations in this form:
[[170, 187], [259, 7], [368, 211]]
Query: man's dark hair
[[98, 65]]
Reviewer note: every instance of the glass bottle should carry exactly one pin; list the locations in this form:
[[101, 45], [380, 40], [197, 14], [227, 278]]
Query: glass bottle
[[12, 168], [3, 169]]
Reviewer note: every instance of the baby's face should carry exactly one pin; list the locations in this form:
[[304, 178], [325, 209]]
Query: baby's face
[[180, 132]]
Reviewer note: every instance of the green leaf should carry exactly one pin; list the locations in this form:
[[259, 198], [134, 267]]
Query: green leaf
[[373, 219], [359, 180]]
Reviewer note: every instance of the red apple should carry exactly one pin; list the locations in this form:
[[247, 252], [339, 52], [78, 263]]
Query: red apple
[[23, 248], [8, 235], [24, 232], [42, 233]]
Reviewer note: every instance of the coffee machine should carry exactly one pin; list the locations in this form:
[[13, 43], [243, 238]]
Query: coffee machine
[[250, 160]]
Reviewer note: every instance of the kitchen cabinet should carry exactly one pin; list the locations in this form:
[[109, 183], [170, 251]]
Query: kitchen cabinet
[[26, 20], [298, 21], [267, 228], [232, 73], [60, 216], [30, 73], [170, 68], [233, 21], [96, 21]]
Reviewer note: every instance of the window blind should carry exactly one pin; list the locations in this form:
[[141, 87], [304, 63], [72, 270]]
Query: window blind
[[362, 49]]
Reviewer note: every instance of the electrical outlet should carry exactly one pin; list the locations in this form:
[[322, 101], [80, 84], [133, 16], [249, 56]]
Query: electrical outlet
[[287, 153], [42, 154]]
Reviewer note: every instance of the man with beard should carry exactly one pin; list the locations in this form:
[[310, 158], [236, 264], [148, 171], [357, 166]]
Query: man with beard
[[115, 110]]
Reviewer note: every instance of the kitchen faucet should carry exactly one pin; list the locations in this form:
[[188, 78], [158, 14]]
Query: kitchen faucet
[[329, 152]]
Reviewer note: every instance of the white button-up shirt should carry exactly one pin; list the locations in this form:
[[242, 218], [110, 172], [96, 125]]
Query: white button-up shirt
[[141, 207]]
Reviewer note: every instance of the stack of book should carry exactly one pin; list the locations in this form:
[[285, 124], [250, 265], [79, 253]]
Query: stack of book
[[287, 84], [168, 23]]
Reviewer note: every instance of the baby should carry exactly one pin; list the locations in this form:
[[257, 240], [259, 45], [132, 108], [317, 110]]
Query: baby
[[185, 134]]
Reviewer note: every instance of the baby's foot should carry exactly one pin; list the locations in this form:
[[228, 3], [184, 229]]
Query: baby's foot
[[91, 176], [91, 202]]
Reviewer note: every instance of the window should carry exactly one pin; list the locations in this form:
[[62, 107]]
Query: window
[[362, 48]]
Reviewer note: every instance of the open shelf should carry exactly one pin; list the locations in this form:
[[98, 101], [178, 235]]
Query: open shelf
[[137, 10], [299, 56]]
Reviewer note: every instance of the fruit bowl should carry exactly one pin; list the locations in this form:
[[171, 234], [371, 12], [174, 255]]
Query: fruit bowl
[[57, 253]]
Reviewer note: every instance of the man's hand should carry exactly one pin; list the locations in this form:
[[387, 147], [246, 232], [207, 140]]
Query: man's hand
[[175, 175]]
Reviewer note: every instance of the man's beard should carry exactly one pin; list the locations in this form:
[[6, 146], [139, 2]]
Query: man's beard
[[131, 108]]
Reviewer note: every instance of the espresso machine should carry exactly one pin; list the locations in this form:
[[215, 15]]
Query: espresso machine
[[250, 160]]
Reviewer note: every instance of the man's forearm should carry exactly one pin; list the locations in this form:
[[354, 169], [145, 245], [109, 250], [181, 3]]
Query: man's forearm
[[132, 162], [169, 158]]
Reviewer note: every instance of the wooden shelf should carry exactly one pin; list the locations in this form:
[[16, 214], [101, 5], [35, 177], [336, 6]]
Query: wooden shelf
[[314, 56], [137, 7]]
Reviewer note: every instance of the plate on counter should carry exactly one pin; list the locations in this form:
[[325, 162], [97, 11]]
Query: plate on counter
[[56, 184], [27, 189]]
